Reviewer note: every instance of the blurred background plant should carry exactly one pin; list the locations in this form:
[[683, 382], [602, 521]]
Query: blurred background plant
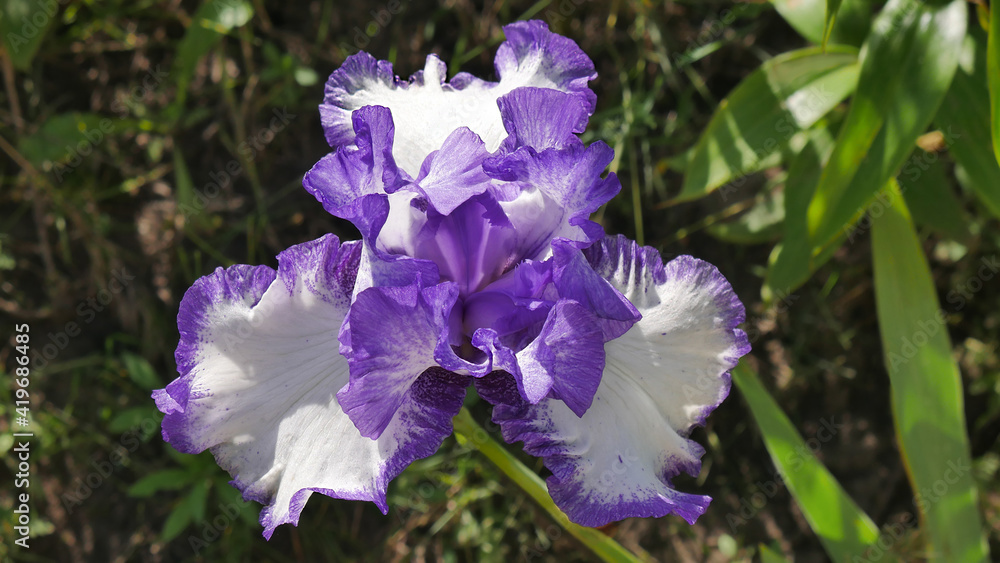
[[836, 160]]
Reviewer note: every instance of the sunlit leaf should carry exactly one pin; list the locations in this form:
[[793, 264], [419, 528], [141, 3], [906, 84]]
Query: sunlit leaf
[[785, 95], [993, 70], [927, 401], [964, 119], [761, 223], [809, 19], [910, 60], [789, 266], [843, 528]]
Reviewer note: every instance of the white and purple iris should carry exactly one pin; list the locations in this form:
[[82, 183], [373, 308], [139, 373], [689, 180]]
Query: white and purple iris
[[477, 264]]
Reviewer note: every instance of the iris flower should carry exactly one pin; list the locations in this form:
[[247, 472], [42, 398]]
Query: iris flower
[[477, 264]]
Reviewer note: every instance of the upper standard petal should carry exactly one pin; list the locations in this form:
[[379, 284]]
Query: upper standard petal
[[427, 108]]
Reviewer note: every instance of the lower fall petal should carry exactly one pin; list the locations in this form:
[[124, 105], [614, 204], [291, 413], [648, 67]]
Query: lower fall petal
[[393, 336], [661, 378], [260, 370]]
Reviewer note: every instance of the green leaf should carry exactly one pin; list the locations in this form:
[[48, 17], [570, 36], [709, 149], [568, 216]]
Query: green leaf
[[910, 60], [841, 526], [964, 117], [190, 510], [808, 18], [832, 7], [927, 401], [166, 480], [186, 193], [132, 418], [66, 137], [141, 372], [789, 265], [930, 197], [993, 70], [23, 25], [786, 95], [210, 22], [199, 499], [762, 223]]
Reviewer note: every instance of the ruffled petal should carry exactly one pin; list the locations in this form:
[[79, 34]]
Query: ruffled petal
[[559, 190], [453, 174], [259, 375], [427, 109], [541, 119], [534, 56], [566, 358], [393, 335], [576, 279], [690, 320], [349, 181], [661, 377], [361, 75]]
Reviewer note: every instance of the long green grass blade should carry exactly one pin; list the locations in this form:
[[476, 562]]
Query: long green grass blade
[[789, 266], [210, 22], [930, 197], [927, 401], [467, 430], [832, 7], [993, 70], [843, 528], [785, 95], [910, 60], [964, 118]]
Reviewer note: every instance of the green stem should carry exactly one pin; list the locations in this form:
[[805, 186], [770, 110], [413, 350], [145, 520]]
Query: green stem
[[469, 432]]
